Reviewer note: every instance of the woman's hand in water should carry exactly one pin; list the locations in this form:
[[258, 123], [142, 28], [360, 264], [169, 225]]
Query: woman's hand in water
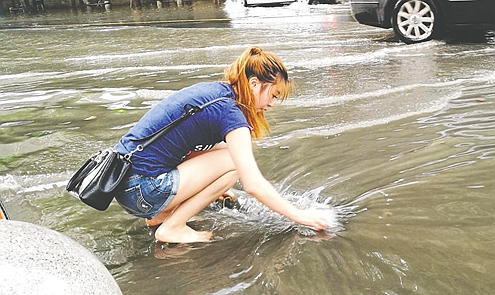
[[316, 219]]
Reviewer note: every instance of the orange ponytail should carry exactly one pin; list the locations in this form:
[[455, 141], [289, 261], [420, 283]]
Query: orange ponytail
[[265, 66]]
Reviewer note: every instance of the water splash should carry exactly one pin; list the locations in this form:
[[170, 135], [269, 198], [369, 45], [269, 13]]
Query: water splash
[[249, 211]]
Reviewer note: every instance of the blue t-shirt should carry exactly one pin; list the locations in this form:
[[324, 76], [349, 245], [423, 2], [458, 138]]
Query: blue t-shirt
[[202, 131]]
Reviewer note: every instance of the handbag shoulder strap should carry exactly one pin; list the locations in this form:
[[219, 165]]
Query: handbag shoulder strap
[[189, 110]]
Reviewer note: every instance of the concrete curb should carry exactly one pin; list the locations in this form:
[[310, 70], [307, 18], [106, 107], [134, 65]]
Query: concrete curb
[[38, 260]]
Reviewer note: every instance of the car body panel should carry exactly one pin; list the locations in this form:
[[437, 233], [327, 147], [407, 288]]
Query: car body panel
[[369, 12], [465, 12], [456, 13], [267, 3]]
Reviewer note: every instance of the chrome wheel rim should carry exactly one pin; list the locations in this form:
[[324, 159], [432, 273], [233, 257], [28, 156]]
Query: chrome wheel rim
[[415, 20]]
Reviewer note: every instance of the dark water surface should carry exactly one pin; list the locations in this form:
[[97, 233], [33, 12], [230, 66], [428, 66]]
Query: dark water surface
[[399, 140]]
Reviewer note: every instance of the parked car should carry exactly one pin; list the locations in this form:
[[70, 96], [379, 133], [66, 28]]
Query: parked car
[[268, 3], [311, 2], [416, 21]]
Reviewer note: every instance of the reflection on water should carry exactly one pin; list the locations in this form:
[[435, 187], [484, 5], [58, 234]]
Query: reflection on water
[[175, 14], [396, 142]]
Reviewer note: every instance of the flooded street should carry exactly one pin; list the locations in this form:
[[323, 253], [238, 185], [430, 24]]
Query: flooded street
[[398, 139]]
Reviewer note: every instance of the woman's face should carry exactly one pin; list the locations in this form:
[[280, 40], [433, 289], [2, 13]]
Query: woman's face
[[265, 94]]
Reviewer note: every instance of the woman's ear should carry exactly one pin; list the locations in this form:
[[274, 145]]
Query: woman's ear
[[253, 82]]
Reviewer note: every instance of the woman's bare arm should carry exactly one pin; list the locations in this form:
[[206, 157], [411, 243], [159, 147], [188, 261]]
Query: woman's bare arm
[[254, 183]]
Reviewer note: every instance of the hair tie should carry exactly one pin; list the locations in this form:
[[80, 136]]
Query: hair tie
[[255, 51]]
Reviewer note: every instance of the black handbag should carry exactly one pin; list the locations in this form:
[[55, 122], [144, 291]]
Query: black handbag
[[95, 181]]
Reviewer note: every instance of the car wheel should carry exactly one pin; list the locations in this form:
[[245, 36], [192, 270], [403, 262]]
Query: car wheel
[[416, 21]]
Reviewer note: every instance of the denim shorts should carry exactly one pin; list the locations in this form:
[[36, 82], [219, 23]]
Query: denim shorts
[[146, 197]]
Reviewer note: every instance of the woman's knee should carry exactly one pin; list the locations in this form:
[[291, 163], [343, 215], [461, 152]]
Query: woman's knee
[[232, 177]]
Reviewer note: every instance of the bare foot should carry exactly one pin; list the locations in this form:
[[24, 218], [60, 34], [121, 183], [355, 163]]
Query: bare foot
[[183, 234], [152, 223], [227, 195], [160, 218], [228, 200]]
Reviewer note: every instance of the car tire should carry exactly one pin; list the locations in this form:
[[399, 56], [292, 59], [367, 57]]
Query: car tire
[[416, 21]]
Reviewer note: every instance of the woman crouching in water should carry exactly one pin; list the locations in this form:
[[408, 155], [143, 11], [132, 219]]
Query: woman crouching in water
[[198, 161]]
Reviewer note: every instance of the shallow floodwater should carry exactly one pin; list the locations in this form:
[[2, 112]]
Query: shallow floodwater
[[398, 140]]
